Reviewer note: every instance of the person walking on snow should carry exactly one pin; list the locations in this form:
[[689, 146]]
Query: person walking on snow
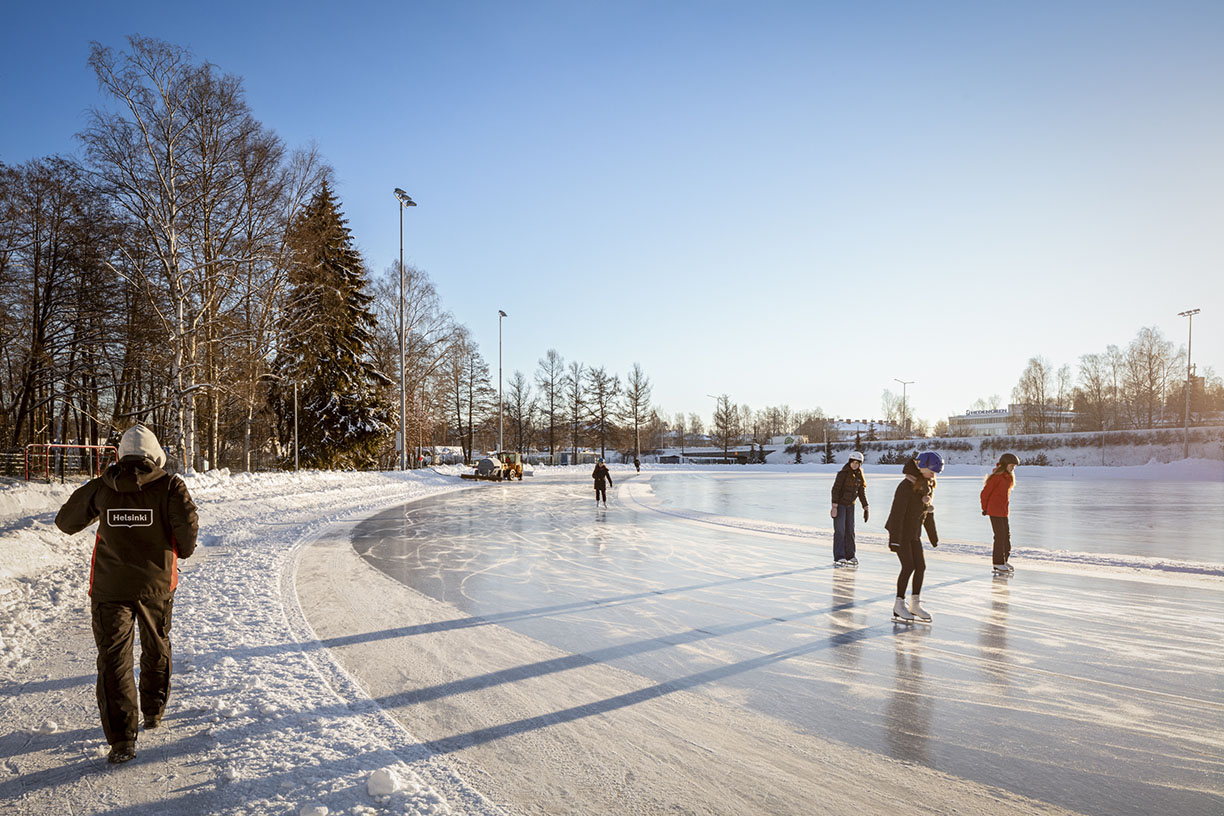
[[911, 512], [995, 496], [146, 522], [601, 475], [848, 486]]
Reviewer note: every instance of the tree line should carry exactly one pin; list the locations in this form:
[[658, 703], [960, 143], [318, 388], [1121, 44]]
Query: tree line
[[192, 272], [1140, 386]]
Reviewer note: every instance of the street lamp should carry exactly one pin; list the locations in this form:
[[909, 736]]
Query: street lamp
[[404, 201], [500, 315], [1189, 315], [904, 412]]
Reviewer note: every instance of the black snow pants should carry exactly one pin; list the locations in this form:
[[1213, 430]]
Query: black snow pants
[[1002, 538], [114, 628], [913, 562], [601, 492]]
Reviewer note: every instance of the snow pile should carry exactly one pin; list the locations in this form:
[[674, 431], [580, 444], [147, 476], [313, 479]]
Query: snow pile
[[1184, 470]]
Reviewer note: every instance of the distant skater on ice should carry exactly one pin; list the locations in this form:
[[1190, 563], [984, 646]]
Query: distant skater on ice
[[146, 522], [848, 486], [911, 512], [995, 495], [603, 480]]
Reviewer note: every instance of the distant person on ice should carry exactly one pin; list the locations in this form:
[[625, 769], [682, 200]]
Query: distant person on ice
[[911, 511], [848, 486], [995, 496], [603, 479], [146, 522]]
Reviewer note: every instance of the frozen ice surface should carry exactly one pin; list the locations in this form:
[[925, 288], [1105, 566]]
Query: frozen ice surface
[[1153, 517], [1099, 691]]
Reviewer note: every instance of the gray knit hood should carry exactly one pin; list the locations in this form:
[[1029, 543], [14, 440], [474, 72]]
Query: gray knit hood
[[140, 441]]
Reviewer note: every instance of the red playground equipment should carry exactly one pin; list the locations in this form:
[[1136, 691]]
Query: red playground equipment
[[44, 459]]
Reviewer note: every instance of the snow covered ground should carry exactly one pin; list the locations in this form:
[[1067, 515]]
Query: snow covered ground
[[520, 651], [255, 723]]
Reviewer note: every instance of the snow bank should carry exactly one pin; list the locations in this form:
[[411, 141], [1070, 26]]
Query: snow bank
[[1186, 470]]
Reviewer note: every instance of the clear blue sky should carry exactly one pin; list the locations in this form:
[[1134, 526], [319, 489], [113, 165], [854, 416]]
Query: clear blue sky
[[789, 202]]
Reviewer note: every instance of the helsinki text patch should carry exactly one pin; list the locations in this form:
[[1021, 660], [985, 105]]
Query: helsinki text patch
[[129, 518]]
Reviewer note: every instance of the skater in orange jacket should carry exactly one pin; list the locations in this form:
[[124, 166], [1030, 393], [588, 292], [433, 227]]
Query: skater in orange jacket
[[995, 496]]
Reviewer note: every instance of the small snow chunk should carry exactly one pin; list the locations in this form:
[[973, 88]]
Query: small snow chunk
[[313, 810], [48, 727], [229, 774], [267, 709], [383, 782]]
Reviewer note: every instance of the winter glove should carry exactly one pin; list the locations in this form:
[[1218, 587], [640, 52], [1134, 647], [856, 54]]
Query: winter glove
[[833, 512], [983, 512], [866, 514]]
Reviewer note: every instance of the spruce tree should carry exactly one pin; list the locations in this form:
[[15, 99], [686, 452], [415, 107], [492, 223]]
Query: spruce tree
[[342, 417]]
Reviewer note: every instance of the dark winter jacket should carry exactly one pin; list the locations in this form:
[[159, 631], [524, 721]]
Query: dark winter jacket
[[996, 493], [909, 513], [601, 474], [850, 484], [146, 522]]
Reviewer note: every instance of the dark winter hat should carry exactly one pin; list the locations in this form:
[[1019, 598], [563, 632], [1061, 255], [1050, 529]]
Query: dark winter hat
[[140, 441], [1009, 459], [931, 461]]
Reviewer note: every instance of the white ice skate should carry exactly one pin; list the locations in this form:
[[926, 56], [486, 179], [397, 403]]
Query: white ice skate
[[900, 613], [1002, 569], [920, 614]]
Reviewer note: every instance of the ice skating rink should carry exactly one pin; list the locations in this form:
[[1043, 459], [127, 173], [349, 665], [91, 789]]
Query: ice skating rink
[[642, 659]]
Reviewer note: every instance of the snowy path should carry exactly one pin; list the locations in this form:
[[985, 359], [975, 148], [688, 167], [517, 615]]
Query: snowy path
[[256, 722], [572, 659]]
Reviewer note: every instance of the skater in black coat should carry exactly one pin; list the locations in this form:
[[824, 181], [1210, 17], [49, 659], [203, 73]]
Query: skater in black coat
[[849, 486], [146, 522], [911, 512], [601, 475]]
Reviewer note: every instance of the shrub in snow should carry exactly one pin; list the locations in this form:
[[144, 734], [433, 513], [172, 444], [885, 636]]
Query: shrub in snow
[[383, 782]]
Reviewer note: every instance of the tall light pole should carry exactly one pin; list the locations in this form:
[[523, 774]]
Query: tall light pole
[[1189, 315], [500, 315], [404, 201], [904, 412]]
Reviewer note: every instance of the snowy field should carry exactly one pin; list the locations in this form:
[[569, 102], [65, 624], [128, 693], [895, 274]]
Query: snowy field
[[517, 650]]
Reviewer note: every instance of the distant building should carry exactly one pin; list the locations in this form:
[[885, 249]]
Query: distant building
[[990, 422], [788, 439], [1009, 420], [847, 428]]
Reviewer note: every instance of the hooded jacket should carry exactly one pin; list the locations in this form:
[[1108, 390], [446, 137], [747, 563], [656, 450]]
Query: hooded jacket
[[909, 514], [146, 522]]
